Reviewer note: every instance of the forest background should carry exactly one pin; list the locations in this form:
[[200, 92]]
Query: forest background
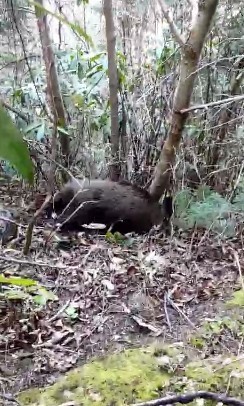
[[148, 91], [61, 105]]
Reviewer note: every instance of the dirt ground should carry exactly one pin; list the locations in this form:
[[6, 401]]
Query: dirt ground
[[108, 296]]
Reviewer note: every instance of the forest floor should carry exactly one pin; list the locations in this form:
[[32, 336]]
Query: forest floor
[[105, 296]]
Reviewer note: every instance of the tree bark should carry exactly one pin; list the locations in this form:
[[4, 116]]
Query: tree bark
[[190, 53], [53, 89], [113, 88]]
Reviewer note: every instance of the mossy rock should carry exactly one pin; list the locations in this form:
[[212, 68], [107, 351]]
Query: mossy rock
[[139, 375]]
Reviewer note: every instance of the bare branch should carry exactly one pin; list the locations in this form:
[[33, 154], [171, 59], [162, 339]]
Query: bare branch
[[173, 28], [213, 104], [194, 11]]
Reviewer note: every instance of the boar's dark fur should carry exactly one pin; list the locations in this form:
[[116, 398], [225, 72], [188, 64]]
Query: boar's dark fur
[[121, 206]]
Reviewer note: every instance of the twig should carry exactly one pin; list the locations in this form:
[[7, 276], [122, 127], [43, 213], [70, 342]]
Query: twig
[[192, 239], [72, 214], [32, 263], [180, 312], [15, 111], [237, 181], [76, 210], [173, 28], [189, 397], [238, 359], [166, 312], [11, 221], [30, 228], [60, 311], [236, 257], [213, 104]]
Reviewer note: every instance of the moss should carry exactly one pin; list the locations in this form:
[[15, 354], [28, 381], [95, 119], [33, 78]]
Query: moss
[[138, 375], [30, 396], [119, 379], [217, 374], [211, 332], [237, 299]]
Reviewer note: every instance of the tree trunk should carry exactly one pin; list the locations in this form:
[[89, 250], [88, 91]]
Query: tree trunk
[[113, 88], [190, 54], [53, 89]]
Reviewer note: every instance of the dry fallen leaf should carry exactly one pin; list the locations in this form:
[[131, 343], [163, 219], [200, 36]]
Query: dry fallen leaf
[[148, 326], [109, 285]]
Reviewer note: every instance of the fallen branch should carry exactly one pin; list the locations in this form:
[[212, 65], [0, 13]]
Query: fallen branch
[[189, 397]]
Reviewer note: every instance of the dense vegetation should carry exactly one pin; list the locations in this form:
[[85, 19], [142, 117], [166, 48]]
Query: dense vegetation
[[151, 92]]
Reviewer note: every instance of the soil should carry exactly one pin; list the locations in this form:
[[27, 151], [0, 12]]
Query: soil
[[105, 296]]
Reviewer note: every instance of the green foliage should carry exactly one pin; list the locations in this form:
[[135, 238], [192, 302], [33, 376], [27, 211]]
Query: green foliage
[[41, 296], [78, 2], [86, 73], [205, 208], [212, 208], [25, 289], [141, 375], [117, 238], [13, 148], [41, 10], [120, 379], [210, 334], [83, 78], [183, 201], [237, 300], [71, 312], [163, 59], [17, 281]]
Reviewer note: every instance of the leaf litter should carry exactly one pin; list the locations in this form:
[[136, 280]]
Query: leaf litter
[[96, 296]]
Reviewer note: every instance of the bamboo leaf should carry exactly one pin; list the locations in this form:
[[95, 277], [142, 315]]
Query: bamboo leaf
[[13, 148]]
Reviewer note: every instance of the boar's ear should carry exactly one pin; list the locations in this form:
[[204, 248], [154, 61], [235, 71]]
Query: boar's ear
[[62, 199]]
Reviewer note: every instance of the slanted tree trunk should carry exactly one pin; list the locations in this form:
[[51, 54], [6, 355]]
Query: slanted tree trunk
[[53, 89], [190, 53], [113, 88]]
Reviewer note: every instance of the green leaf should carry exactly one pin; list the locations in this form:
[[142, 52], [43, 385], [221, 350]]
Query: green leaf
[[62, 130], [13, 148], [93, 57], [42, 296], [41, 10], [115, 238], [12, 280], [14, 295], [71, 311], [237, 299], [32, 127]]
